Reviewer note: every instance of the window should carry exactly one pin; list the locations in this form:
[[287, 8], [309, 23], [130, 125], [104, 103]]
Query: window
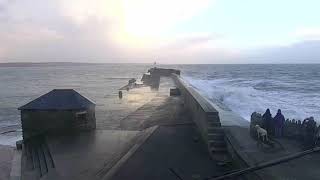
[[82, 117]]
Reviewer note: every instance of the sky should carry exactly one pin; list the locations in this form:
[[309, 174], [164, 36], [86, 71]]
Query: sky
[[166, 31]]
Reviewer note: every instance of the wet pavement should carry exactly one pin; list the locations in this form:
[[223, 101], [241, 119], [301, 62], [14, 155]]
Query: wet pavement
[[175, 147], [175, 144], [87, 155], [6, 155]]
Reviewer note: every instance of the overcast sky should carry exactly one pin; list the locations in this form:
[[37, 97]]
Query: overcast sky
[[166, 31]]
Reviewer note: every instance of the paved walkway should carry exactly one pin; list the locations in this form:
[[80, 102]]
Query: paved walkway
[[161, 110], [6, 155], [176, 147], [237, 132], [89, 155]]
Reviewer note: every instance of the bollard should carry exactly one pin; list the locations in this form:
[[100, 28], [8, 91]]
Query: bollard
[[120, 94], [19, 144]]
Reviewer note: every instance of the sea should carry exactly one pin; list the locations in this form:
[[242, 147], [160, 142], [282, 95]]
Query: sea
[[243, 89]]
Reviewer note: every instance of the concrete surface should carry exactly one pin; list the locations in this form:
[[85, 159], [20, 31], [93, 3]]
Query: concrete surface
[[161, 110], [6, 155], [246, 152], [176, 144], [89, 155], [178, 147], [299, 169], [15, 173], [201, 110], [114, 169]]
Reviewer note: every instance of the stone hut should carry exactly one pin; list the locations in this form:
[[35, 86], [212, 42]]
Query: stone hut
[[58, 111]]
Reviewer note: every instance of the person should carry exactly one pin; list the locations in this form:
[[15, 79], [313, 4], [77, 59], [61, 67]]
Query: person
[[312, 131], [279, 123], [267, 122], [317, 138]]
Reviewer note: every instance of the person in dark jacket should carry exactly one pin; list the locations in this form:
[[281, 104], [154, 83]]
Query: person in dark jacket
[[311, 129], [268, 122], [279, 123]]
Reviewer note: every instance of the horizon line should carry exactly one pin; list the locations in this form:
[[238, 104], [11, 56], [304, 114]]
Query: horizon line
[[151, 63]]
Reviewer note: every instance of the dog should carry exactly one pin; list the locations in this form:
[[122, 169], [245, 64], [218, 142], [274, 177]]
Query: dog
[[261, 133]]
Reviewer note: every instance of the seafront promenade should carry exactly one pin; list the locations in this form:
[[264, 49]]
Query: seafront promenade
[[246, 152], [159, 140], [183, 136]]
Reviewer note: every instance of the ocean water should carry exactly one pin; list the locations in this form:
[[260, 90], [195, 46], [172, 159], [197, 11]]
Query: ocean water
[[241, 88], [295, 89]]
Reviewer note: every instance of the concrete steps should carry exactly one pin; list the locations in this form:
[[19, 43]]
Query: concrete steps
[[38, 160], [213, 117], [215, 136], [216, 143], [42, 161], [214, 124], [214, 129], [218, 149]]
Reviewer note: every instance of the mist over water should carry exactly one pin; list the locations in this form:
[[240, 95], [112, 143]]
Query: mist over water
[[241, 88]]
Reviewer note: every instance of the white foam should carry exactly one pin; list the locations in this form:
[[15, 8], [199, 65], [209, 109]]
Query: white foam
[[10, 139], [241, 97]]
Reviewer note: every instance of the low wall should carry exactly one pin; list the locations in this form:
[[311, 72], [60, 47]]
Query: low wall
[[202, 111]]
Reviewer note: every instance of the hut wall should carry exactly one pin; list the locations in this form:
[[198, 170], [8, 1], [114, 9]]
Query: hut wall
[[85, 124], [35, 122]]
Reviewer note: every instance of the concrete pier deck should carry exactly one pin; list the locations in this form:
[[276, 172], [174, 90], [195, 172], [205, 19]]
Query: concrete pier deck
[[89, 155], [6, 156], [242, 148], [172, 147], [178, 137], [157, 136], [175, 145]]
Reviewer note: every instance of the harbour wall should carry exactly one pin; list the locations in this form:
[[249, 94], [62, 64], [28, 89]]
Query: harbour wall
[[205, 113], [200, 109]]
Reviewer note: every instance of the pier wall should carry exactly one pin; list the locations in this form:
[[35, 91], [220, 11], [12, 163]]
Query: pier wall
[[201, 110], [212, 121]]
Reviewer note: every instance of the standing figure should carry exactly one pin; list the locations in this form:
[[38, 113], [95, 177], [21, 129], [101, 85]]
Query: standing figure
[[267, 122], [310, 133], [279, 122], [317, 142]]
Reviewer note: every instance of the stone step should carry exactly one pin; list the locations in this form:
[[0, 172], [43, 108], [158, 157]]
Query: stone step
[[48, 156], [218, 149], [215, 136], [31, 175], [223, 158], [42, 160], [215, 129], [213, 117], [36, 162], [213, 121], [216, 143], [214, 124], [28, 157]]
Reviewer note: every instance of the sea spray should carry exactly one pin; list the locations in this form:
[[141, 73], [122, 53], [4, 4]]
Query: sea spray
[[245, 97]]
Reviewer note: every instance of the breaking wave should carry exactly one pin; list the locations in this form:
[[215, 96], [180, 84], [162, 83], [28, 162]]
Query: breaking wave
[[245, 96]]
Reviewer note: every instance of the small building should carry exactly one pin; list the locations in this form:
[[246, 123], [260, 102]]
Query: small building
[[58, 111]]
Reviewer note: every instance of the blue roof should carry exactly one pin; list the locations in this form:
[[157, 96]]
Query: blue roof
[[59, 99]]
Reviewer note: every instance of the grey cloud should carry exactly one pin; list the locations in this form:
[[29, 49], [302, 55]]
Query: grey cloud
[[44, 33], [301, 52]]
